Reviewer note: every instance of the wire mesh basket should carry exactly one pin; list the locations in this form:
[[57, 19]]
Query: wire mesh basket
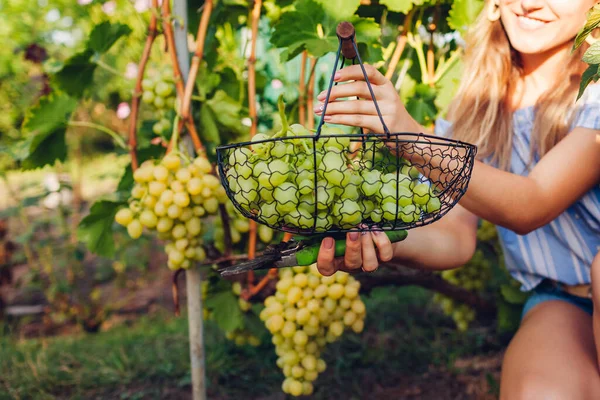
[[331, 181]]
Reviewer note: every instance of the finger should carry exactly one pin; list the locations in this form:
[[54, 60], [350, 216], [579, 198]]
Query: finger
[[355, 73], [370, 122], [353, 256], [383, 244], [353, 89], [325, 259], [369, 255], [366, 107]]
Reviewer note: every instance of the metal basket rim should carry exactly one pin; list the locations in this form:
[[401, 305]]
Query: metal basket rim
[[359, 137]]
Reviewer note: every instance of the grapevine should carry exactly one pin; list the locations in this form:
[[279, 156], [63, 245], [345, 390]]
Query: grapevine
[[306, 312]]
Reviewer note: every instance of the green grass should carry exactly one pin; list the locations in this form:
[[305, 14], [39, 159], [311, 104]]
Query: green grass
[[150, 357]]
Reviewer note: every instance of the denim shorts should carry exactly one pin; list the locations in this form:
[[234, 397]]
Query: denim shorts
[[546, 291]]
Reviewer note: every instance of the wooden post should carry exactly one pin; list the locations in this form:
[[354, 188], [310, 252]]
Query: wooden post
[[193, 278], [193, 281]]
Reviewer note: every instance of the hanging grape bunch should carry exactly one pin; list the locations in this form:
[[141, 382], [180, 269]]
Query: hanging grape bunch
[[159, 93], [304, 183], [171, 197], [306, 312]]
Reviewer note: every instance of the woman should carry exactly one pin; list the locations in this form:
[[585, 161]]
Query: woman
[[538, 182]]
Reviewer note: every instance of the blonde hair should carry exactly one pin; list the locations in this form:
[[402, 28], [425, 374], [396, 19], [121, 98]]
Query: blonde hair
[[481, 111]]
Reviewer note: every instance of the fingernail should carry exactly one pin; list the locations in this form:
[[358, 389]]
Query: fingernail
[[318, 108], [321, 95], [327, 118], [353, 236], [327, 243], [376, 233], [337, 76]]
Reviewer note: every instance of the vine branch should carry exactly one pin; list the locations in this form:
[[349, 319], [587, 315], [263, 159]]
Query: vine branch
[[301, 89], [310, 91], [137, 93], [172, 50], [404, 276], [400, 45], [196, 60]]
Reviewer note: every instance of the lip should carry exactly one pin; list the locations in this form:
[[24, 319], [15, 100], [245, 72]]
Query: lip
[[528, 23]]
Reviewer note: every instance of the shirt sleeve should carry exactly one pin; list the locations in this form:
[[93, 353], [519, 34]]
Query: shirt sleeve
[[442, 128], [587, 114]]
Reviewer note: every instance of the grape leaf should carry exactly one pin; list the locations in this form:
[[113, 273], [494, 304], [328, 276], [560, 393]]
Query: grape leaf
[[96, 229], [592, 55], [105, 35], [226, 311], [209, 131], [463, 13], [309, 27], [299, 30], [226, 111], [593, 21], [77, 74], [422, 105], [340, 9], [46, 125], [401, 6], [50, 113], [592, 73]]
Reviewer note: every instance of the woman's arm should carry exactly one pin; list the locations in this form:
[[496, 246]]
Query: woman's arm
[[525, 203], [447, 243], [519, 203]]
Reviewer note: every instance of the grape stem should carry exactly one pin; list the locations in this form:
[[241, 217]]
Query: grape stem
[[108, 68], [255, 18], [171, 48], [116, 137], [137, 92], [174, 136], [284, 122], [196, 60]]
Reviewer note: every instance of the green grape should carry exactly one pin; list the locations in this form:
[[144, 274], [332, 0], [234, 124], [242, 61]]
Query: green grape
[[421, 194], [372, 182], [134, 229], [332, 167], [124, 216], [347, 213], [433, 205], [286, 196]]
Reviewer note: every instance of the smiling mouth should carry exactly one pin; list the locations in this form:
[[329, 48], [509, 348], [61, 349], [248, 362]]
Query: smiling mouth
[[529, 24]]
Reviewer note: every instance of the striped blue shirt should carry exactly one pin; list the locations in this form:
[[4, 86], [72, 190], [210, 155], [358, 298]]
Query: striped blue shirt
[[563, 249]]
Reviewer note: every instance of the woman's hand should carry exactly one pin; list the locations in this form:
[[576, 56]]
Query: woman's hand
[[360, 253], [363, 112]]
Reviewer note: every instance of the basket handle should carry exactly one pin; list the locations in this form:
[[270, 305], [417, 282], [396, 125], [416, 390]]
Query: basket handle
[[346, 33]]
